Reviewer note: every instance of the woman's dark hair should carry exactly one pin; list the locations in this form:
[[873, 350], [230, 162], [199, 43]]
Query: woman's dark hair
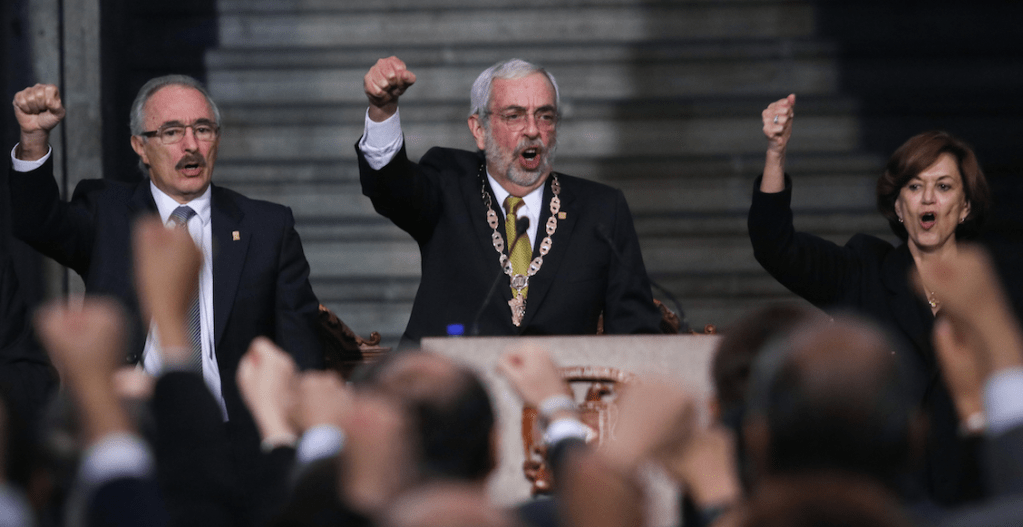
[[920, 152]]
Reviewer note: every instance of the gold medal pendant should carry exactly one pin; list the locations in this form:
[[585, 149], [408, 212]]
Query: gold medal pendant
[[518, 309]]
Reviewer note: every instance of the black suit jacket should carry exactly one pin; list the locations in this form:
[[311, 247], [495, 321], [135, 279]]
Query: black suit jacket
[[594, 264], [870, 276], [260, 281], [27, 380]]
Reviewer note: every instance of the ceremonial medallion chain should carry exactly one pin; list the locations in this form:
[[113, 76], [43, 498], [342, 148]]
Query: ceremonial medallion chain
[[520, 282]]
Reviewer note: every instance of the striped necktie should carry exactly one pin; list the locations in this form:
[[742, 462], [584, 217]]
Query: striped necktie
[[179, 218]]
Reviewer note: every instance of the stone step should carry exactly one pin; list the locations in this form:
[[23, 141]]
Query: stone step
[[717, 251], [485, 25], [690, 285], [326, 203], [277, 113], [767, 78], [596, 138], [269, 176], [673, 226], [477, 56], [752, 283], [286, 6]]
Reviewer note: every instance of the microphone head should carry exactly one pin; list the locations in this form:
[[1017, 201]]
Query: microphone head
[[521, 225]]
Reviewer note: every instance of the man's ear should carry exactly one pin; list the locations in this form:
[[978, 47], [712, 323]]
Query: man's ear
[[476, 127], [138, 145]]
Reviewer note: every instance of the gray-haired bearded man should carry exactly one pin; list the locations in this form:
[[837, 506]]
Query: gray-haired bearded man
[[571, 253]]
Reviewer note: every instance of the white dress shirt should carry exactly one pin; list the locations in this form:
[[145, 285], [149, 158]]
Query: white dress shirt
[[1003, 400]]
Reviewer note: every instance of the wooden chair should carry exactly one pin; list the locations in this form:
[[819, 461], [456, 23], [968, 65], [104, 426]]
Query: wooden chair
[[343, 349], [670, 323]]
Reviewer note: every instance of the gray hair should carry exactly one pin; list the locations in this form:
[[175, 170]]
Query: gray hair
[[138, 108], [508, 69]]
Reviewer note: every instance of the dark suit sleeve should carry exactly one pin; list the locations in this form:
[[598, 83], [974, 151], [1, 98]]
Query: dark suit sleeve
[[60, 230], [405, 192], [813, 268], [27, 379], [127, 502], [1003, 460], [628, 305], [297, 308]]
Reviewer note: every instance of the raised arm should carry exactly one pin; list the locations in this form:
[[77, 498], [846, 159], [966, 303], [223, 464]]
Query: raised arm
[[38, 109], [167, 273], [977, 336], [777, 118], [86, 346], [398, 188], [384, 83]]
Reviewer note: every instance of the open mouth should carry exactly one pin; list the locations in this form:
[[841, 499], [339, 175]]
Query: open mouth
[[928, 216], [530, 153]]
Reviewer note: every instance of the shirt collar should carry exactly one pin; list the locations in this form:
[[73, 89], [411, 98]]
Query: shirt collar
[[530, 202], [165, 204]]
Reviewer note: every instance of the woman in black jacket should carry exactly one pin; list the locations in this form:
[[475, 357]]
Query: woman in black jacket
[[934, 195]]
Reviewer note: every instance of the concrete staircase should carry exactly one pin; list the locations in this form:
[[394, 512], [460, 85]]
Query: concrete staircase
[[661, 99]]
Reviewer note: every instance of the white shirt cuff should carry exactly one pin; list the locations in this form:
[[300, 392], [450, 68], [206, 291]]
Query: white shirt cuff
[[319, 442], [381, 141], [20, 165], [116, 456], [562, 429], [1003, 400]]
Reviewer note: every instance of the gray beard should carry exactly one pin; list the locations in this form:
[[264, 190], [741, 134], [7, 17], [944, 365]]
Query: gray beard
[[506, 166]]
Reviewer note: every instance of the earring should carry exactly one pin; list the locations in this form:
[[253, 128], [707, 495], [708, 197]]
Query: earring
[[900, 219], [962, 219]]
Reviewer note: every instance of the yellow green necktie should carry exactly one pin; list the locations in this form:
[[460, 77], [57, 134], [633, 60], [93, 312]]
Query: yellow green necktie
[[519, 249]]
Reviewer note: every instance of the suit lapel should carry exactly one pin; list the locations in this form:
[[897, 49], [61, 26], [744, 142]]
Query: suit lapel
[[478, 219], [228, 257], [141, 202], [541, 282]]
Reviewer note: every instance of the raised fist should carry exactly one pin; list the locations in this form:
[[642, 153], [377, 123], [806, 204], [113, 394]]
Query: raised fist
[[778, 122], [384, 83], [38, 109]]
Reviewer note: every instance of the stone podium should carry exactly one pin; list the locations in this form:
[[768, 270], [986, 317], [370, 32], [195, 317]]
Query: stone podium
[[682, 357]]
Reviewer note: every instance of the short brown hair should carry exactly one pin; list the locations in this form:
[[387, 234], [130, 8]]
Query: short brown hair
[[920, 152]]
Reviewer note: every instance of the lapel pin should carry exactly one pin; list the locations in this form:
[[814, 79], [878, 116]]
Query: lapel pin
[[235, 235], [562, 215]]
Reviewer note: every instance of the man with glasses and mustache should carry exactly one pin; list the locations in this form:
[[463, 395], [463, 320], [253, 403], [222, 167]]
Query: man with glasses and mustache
[[508, 246], [254, 279]]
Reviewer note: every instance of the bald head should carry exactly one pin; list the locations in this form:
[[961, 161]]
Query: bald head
[[830, 397], [451, 409]]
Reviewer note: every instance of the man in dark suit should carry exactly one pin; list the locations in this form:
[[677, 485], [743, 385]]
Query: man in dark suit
[[254, 279], [569, 251]]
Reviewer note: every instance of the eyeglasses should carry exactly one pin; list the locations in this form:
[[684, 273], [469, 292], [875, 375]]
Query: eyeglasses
[[169, 134], [516, 119]]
